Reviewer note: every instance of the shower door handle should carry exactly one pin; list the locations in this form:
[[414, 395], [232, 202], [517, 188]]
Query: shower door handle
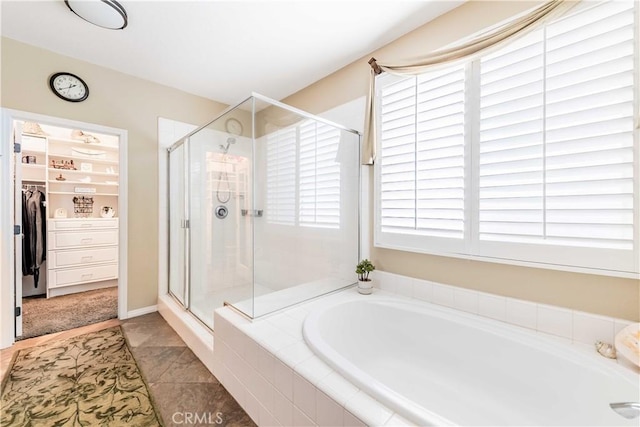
[[184, 223]]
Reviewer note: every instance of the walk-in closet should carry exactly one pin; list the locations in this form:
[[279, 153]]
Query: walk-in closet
[[67, 217]]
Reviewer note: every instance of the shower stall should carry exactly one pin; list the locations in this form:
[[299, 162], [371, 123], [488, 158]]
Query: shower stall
[[263, 210]]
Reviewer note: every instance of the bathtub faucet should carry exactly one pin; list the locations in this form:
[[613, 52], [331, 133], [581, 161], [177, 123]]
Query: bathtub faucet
[[629, 410]]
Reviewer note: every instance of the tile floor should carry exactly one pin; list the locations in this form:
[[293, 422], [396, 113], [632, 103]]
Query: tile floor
[[184, 391]]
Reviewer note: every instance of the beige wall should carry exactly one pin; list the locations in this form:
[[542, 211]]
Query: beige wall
[[597, 294], [116, 100]]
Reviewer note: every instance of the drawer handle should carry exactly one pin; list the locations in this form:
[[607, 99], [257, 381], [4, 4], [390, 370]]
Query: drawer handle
[[87, 276], [87, 258], [87, 240], [86, 225]]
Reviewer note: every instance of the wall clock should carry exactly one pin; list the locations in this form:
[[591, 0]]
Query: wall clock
[[69, 87], [233, 126]]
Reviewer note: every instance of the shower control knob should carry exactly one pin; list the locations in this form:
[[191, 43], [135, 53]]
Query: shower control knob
[[222, 212]]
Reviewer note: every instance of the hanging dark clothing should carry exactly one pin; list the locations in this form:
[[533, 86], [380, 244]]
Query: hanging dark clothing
[[27, 262], [34, 245]]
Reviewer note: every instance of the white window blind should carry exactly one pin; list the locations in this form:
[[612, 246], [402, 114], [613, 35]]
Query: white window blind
[[319, 175], [422, 155], [281, 176], [527, 156], [556, 133], [303, 176]]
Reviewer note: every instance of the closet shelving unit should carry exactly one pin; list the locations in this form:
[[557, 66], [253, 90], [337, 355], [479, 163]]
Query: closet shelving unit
[[82, 252]]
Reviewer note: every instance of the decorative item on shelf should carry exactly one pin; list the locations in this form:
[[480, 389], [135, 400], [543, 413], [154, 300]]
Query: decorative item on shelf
[[82, 206], [33, 129], [60, 213], [63, 164], [94, 154], [85, 179], [84, 137], [110, 170], [86, 190], [29, 159], [111, 182], [365, 285], [60, 178], [86, 167], [107, 212]]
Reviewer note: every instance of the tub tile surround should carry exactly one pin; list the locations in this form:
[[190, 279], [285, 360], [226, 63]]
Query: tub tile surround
[[577, 327], [289, 385], [268, 368]]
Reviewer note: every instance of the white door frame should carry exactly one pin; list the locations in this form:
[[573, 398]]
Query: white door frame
[[7, 331]]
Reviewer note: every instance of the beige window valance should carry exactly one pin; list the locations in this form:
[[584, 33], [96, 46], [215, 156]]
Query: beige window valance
[[482, 44]]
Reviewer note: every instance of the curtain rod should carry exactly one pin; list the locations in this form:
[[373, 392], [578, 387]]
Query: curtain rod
[[374, 65]]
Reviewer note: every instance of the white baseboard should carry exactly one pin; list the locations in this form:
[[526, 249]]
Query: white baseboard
[[141, 311]]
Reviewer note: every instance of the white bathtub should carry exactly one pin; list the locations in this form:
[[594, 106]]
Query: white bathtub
[[437, 366]]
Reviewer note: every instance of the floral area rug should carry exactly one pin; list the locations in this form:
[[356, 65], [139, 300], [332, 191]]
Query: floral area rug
[[89, 380]]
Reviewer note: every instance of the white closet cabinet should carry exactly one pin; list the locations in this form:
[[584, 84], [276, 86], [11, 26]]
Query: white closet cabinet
[[82, 251]]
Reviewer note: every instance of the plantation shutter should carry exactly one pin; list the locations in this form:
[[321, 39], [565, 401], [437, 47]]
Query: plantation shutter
[[281, 176], [398, 156], [422, 144], [319, 175], [556, 133]]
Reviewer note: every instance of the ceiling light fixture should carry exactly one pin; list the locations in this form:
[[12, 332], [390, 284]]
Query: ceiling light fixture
[[103, 13]]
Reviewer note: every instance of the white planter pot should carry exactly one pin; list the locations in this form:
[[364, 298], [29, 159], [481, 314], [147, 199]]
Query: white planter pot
[[365, 288]]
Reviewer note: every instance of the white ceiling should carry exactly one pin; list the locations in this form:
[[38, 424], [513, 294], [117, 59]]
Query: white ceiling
[[223, 50]]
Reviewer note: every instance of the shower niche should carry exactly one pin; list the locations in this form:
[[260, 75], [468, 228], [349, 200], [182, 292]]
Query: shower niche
[[263, 210]]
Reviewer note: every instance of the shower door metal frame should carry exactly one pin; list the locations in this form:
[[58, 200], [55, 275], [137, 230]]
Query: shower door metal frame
[[184, 224]]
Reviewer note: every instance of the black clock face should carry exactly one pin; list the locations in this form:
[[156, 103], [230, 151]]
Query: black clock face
[[69, 87]]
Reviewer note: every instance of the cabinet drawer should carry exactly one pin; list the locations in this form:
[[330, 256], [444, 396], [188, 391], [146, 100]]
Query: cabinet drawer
[[78, 239], [76, 276], [82, 224], [58, 259]]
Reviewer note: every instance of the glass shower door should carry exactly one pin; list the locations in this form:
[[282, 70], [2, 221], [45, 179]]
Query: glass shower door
[[220, 266]]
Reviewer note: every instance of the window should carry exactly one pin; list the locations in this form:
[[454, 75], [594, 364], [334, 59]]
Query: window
[[303, 176], [281, 176], [526, 154]]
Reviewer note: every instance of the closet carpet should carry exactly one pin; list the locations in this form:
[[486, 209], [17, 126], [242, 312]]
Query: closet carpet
[[41, 316]]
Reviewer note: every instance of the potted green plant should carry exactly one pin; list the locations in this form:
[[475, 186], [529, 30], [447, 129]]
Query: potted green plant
[[365, 285]]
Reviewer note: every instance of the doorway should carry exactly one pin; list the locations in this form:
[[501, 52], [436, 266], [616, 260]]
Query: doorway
[[64, 234]]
